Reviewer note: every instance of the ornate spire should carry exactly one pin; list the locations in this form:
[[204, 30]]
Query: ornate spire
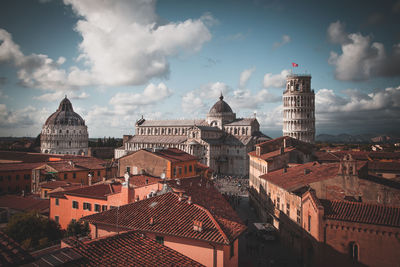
[[221, 97]]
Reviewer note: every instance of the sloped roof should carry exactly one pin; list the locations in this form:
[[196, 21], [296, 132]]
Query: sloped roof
[[128, 249], [140, 180], [270, 155], [11, 253], [361, 212], [384, 165], [57, 184], [19, 166], [98, 191], [241, 122], [171, 216], [78, 164], [303, 175], [27, 203], [174, 155]]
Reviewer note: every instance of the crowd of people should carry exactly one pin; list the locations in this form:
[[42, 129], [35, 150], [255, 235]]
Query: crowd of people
[[232, 185]]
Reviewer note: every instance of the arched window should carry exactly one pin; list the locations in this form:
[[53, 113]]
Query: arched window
[[354, 251]]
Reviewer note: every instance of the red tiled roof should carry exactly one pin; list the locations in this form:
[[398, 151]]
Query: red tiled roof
[[175, 155], [78, 165], [203, 193], [140, 180], [19, 166], [384, 165], [27, 203], [98, 191], [57, 184], [296, 177], [326, 156], [128, 249], [171, 216], [11, 253], [272, 154], [361, 212]]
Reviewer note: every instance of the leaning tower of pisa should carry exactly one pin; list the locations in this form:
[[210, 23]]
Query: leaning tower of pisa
[[299, 108]]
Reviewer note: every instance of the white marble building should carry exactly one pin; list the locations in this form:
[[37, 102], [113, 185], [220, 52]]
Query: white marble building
[[221, 141], [299, 108], [64, 132]]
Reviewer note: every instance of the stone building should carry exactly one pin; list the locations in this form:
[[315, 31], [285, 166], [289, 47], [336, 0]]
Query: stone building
[[299, 108], [221, 141], [64, 132]]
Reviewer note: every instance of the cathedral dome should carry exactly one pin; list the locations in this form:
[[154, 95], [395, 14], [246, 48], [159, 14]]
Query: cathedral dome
[[65, 115], [221, 107]]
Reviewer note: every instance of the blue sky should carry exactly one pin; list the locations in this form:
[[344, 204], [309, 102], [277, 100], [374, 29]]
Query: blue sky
[[118, 60]]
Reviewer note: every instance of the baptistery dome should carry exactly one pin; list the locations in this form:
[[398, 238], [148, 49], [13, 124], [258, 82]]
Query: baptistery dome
[[64, 132]]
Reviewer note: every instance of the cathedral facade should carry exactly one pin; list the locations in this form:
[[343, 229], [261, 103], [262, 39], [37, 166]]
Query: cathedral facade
[[64, 132], [221, 141]]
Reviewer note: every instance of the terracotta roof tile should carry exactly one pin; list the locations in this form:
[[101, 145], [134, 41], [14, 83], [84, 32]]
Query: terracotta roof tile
[[384, 165], [361, 212], [142, 180], [175, 155], [173, 216], [128, 249], [98, 191], [19, 166], [303, 175], [11, 253], [272, 154], [27, 203], [57, 184]]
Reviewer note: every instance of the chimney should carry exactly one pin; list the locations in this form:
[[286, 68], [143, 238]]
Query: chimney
[[104, 179], [284, 169], [126, 192], [151, 222], [147, 180], [189, 200], [178, 182], [284, 142], [180, 196], [90, 179], [197, 226]]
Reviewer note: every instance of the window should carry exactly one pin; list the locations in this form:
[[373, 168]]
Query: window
[[74, 175], [180, 170], [17, 177], [278, 201], [57, 201], [185, 169], [75, 204], [87, 206], [232, 250], [174, 171], [128, 169], [160, 239], [57, 219], [45, 193], [98, 173], [190, 168], [288, 209], [9, 177], [112, 207], [65, 176], [298, 216], [27, 176], [309, 223], [104, 207], [97, 208], [354, 251]]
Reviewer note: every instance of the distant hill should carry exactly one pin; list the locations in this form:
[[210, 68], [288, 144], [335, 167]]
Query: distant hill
[[360, 138]]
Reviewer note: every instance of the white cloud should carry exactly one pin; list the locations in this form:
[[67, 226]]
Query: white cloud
[[151, 94], [56, 96], [361, 58], [275, 80], [285, 40], [245, 99], [192, 103], [124, 42], [35, 70], [376, 111], [245, 76], [271, 119]]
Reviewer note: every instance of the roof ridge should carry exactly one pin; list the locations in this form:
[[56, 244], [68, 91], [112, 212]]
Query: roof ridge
[[213, 220], [364, 203]]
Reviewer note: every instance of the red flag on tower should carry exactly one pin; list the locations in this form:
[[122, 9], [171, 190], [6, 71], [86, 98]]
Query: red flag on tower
[[294, 64]]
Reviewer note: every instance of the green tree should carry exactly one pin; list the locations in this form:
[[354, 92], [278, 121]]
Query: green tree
[[32, 230], [78, 228]]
